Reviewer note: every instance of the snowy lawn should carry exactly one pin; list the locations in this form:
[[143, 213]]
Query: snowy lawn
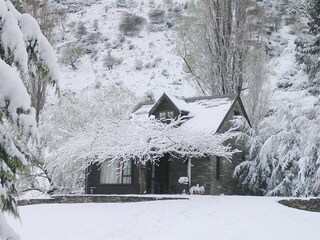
[[201, 217]]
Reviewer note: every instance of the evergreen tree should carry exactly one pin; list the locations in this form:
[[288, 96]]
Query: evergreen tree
[[308, 47], [314, 12], [24, 52]]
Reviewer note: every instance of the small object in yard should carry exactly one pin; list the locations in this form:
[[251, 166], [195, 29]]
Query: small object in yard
[[183, 180], [197, 190]]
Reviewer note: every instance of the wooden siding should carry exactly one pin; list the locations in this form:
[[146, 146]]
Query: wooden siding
[[165, 105]]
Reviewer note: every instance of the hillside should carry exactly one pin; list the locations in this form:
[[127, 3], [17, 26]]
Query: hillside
[[148, 62]]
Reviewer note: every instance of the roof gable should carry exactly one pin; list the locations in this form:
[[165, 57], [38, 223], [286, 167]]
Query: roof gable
[[177, 104], [207, 113]]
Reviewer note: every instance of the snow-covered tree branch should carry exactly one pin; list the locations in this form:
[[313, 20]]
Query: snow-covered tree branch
[[130, 139], [284, 159]]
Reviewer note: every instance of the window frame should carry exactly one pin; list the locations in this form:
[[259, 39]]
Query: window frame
[[166, 115], [121, 177]]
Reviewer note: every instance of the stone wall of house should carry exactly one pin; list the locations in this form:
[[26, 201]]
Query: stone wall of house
[[224, 183], [205, 173], [228, 166], [201, 173]]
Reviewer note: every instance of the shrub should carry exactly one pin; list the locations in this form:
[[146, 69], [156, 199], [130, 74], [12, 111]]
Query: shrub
[[93, 38], [157, 16], [95, 25], [81, 30], [131, 24], [71, 55], [284, 84], [109, 61], [157, 27], [121, 3], [315, 91], [138, 65], [165, 73], [132, 4]]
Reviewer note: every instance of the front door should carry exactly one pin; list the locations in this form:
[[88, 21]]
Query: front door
[[158, 177]]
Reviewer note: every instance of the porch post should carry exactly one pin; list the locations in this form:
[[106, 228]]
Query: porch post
[[142, 178], [189, 171]]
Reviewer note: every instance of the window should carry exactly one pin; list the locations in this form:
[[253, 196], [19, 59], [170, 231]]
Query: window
[[116, 173], [166, 115], [236, 113]]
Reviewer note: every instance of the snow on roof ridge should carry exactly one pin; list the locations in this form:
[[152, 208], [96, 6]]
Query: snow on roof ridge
[[186, 100], [181, 104], [229, 96]]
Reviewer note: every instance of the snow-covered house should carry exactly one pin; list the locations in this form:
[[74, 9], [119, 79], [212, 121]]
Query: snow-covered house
[[211, 114]]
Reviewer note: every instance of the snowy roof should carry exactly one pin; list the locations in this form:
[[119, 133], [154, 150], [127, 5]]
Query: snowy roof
[[205, 113], [177, 103]]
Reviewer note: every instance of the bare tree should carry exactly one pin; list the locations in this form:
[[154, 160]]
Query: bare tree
[[42, 11], [61, 17], [257, 97], [257, 94], [212, 45], [37, 83]]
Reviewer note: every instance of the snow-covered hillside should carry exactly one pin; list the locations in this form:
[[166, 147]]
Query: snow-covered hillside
[[148, 60]]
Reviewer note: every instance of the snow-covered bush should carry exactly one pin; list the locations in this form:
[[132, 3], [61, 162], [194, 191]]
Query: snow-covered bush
[[93, 38], [132, 4], [81, 30], [71, 55], [284, 84], [158, 20], [131, 24], [138, 65], [121, 4], [165, 73], [157, 16], [110, 61]]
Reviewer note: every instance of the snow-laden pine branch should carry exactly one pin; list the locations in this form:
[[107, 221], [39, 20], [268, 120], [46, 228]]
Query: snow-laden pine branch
[[23, 50]]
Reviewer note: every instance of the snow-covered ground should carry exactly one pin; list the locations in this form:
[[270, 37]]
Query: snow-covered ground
[[201, 217]]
